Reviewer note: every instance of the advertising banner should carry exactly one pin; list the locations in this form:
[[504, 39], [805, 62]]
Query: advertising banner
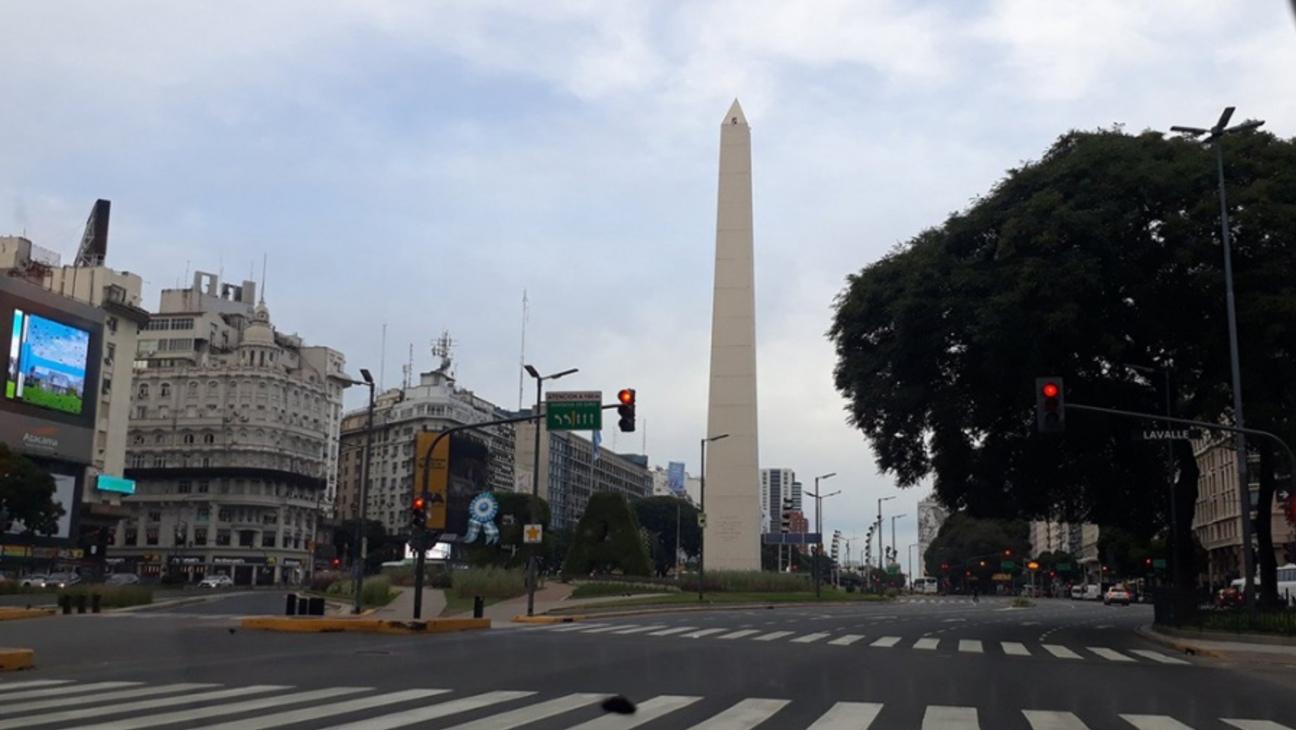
[[675, 477]]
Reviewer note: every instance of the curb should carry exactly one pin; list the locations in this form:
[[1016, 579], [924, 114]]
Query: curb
[[317, 625], [14, 614], [544, 619], [1147, 632], [15, 659]]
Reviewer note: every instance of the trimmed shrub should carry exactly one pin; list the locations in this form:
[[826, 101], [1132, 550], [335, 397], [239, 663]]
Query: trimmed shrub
[[749, 581], [111, 596], [489, 582], [607, 539]]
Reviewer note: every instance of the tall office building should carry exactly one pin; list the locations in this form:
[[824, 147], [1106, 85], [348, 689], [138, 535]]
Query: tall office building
[[775, 486], [569, 473], [931, 515]]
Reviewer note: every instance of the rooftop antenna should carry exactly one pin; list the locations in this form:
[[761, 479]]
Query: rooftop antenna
[[382, 357], [443, 348], [522, 356], [263, 269], [407, 369]]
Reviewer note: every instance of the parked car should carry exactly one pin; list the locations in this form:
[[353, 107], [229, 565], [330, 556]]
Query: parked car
[[1116, 594], [34, 580], [216, 581], [123, 579], [62, 580], [1230, 597]]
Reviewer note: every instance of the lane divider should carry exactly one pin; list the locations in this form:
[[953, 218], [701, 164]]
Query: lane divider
[[326, 625]]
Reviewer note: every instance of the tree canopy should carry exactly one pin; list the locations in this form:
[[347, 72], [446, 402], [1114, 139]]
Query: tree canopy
[[658, 516], [1095, 263], [26, 495], [607, 539]]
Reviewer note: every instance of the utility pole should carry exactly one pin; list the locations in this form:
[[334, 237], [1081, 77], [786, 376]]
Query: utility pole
[[357, 553], [881, 546], [817, 551], [535, 477]]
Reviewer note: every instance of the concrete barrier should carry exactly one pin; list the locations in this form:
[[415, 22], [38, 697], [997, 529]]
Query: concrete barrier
[[12, 659], [12, 613], [325, 625], [546, 619]]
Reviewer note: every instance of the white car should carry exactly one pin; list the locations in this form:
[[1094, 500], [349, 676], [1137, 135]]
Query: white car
[[62, 580], [34, 580], [1117, 594], [216, 581]]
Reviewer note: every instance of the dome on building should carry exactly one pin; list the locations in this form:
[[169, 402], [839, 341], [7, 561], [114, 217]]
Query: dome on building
[[259, 332]]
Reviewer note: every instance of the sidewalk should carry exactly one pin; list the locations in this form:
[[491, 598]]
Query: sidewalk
[[1189, 642], [402, 606]]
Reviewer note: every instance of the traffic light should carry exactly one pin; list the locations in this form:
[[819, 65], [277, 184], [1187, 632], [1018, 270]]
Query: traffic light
[[626, 410], [1007, 552], [337, 562], [1050, 405], [418, 513], [1032, 565]]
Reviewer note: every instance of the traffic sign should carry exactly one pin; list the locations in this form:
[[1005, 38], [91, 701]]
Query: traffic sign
[[532, 534], [893, 569], [1159, 563], [574, 410], [1169, 434], [1007, 566]]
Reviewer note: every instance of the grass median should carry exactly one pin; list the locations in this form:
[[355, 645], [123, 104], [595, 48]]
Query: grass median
[[684, 600]]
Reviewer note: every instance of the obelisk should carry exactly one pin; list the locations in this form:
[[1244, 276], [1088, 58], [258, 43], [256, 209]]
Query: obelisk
[[732, 532]]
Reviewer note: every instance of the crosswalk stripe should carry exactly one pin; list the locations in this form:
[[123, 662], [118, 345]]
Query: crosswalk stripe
[[1157, 656], [432, 712], [927, 643], [772, 636], [1255, 724], [675, 630], [1014, 648], [610, 627], [644, 712], [530, 713], [848, 716], [188, 716], [638, 629], [1154, 722], [886, 641], [700, 633], [1061, 652], [943, 717], [808, 638], [846, 640], [9, 686], [130, 694], [63, 691], [318, 711], [574, 627], [970, 646], [746, 714], [1042, 720], [185, 699], [1109, 654], [739, 634]]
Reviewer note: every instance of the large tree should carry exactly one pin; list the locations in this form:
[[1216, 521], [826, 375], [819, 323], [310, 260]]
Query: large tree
[[26, 496], [659, 516], [1094, 263]]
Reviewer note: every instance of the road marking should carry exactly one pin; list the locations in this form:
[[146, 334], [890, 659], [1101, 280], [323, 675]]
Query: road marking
[[1255, 724], [63, 691], [952, 620], [1061, 652], [1109, 654], [9, 686], [1103, 626], [739, 634], [676, 630], [188, 716], [130, 694], [431, 712], [186, 699], [612, 627], [846, 640], [1157, 656], [644, 712], [1154, 722], [700, 633], [970, 646], [637, 629], [941, 717], [329, 710], [529, 713], [808, 638], [927, 643], [1032, 623], [848, 716], [746, 714], [772, 636], [1042, 720], [1013, 648], [886, 641], [575, 627]]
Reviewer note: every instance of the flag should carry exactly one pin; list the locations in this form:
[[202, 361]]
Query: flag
[[597, 438]]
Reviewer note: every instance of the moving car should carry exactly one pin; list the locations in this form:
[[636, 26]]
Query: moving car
[[34, 580], [62, 580], [216, 581], [1117, 594]]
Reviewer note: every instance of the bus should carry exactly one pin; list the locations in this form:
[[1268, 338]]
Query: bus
[[925, 585]]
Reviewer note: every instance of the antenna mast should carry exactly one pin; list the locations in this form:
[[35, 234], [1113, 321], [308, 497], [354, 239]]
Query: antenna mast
[[382, 357], [522, 355]]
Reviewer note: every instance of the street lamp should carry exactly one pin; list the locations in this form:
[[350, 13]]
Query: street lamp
[[819, 498], [879, 528], [894, 555], [1215, 137], [702, 510], [357, 565], [535, 476], [912, 545]]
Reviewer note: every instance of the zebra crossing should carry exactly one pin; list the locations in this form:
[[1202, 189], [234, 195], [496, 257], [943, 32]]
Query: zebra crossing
[[58, 704], [960, 645], [934, 600]]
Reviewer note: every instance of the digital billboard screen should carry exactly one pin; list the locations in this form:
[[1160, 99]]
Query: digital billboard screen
[[47, 363]]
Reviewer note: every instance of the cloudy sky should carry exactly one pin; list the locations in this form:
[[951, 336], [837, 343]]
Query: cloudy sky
[[420, 164]]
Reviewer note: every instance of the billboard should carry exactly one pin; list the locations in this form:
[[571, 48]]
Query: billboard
[[468, 474], [675, 477], [47, 363]]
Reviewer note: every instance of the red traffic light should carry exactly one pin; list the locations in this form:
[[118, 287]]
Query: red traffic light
[[1007, 552], [337, 562], [1050, 390], [626, 396], [419, 503]]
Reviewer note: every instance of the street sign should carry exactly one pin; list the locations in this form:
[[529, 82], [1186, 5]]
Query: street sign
[[1170, 434], [439, 479], [1007, 566], [893, 569], [1159, 563], [1063, 566], [532, 534], [574, 410]]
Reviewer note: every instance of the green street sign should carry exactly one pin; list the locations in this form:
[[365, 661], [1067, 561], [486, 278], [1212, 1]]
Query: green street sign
[[1064, 566], [1159, 563], [576, 410], [893, 569], [1007, 566]]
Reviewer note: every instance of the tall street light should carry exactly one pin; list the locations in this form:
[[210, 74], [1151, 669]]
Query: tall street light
[[881, 548], [894, 555], [912, 545], [702, 510], [1215, 137], [819, 498], [535, 475], [357, 553]]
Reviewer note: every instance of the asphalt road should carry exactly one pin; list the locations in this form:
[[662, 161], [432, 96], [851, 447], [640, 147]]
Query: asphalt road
[[948, 664]]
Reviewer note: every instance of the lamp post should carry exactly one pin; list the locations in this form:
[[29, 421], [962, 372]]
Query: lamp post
[[702, 510], [535, 476], [1215, 137], [910, 550], [894, 555], [819, 498], [879, 529], [357, 554]]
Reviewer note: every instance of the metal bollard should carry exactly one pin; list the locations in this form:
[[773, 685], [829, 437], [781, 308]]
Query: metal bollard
[[65, 603], [95, 600], [479, 606], [303, 606], [81, 603], [316, 606], [290, 606]]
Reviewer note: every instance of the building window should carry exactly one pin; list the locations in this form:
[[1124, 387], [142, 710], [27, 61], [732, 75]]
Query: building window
[[151, 536], [188, 438], [110, 352], [159, 461], [200, 536], [267, 539], [111, 322], [141, 412], [143, 390], [206, 462], [247, 538], [202, 514], [184, 486], [225, 514], [209, 438], [222, 537], [202, 486], [132, 535], [165, 389]]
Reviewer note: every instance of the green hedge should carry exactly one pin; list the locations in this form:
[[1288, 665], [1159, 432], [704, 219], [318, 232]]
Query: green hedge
[[607, 540], [1240, 621], [112, 596], [749, 581], [492, 582], [8, 588], [376, 592]]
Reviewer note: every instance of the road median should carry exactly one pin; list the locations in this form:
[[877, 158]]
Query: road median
[[328, 625], [13, 614], [14, 659]]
